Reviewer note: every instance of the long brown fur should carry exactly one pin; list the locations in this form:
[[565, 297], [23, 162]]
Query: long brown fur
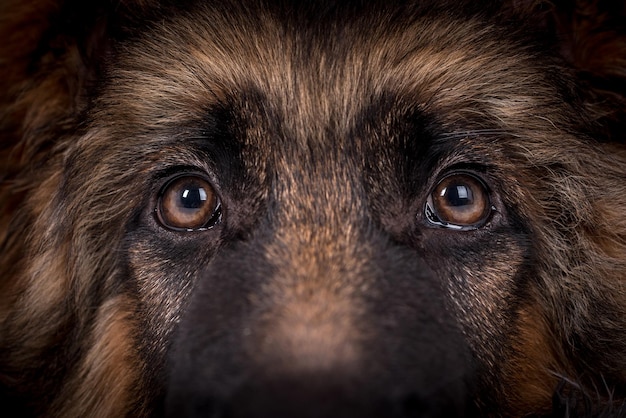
[[94, 98]]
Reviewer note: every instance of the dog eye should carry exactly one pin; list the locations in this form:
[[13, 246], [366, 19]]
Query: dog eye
[[459, 201], [188, 203]]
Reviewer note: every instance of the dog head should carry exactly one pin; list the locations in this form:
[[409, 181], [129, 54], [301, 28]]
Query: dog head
[[277, 209]]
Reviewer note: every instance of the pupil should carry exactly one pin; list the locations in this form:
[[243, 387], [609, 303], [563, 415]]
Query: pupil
[[458, 195], [193, 198]]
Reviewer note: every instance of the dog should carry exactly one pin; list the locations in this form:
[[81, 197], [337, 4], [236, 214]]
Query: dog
[[268, 208]]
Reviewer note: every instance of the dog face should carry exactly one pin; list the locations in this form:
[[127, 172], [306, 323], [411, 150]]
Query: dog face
[[317, 210]]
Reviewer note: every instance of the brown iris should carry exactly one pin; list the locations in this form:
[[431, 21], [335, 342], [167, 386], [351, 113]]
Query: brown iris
[[459, 201], [188, 203]]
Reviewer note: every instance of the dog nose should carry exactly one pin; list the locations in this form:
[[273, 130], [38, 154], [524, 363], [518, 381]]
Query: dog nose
[[322, 396], [328, 396]]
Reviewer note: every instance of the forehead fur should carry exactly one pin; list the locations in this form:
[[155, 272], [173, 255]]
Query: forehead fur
[[321, 72]]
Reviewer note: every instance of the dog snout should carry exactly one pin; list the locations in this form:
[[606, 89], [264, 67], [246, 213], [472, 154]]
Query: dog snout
[[265, 341]]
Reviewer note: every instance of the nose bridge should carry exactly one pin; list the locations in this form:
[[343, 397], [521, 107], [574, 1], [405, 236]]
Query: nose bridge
[[318, 254], [319, 179], [310, 334]]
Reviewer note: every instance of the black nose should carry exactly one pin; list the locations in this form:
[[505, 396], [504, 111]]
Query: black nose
[[322, 397], [377, 341]]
